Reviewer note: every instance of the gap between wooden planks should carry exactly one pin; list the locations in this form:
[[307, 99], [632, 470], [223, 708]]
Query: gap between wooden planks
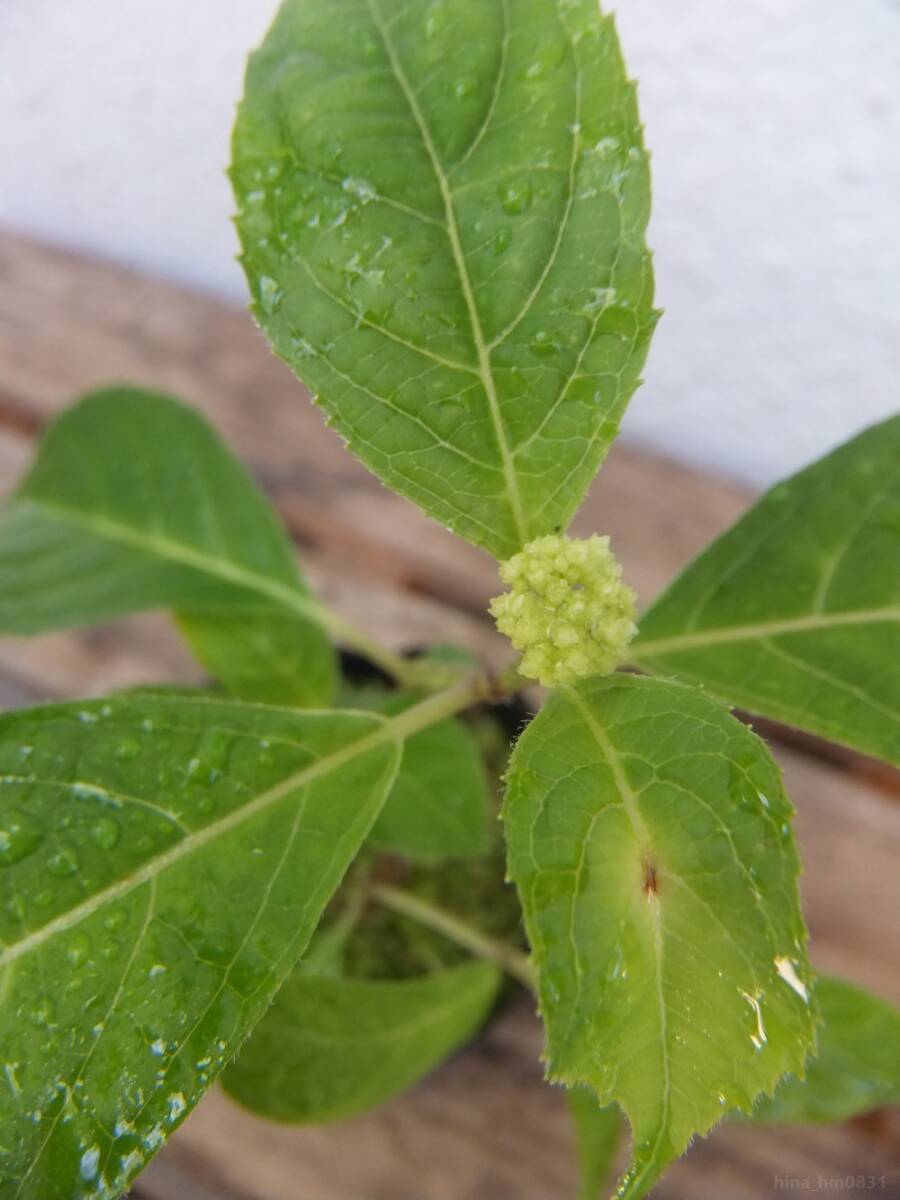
[[484, 1126]]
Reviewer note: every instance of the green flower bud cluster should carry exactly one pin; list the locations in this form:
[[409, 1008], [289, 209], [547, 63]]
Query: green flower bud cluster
[[568, 610]]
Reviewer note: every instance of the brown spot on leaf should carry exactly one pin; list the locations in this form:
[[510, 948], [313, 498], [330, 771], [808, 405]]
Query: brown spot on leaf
[[651, 883]]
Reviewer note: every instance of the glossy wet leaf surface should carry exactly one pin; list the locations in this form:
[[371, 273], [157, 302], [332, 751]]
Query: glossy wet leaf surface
[[794, 613], [649, 837], [331, 1048], [134, 503], [442, 211], [856, 1066], [163, 863]]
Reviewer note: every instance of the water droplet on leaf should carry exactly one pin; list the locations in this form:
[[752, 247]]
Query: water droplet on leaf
[[502, 241], [79, 950], [515, 197], [105, 833], [90, 1162], [544, 344], [20, 835], [64, 862], [127, 749], [269, 293]]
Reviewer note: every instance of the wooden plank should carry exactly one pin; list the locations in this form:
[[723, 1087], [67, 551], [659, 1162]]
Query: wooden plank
[[485, 1125]]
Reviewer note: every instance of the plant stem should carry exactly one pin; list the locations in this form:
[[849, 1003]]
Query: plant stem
[[476, 687], [513, 961], [407, 672]]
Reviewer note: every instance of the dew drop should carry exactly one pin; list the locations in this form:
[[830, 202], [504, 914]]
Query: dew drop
[[20, 835], [269, 293], [515, 197], [90, 1162], [114, 921], [758, 1037], [64, 862], [127, 749], [600, 299], [303, 348], [618, 962], [154, 1138], [544, 344], [79, 950], [105, 832], [464, 87], [43, 1012], [605, 146], [502, 241], [448, 415], [785, 968], [364, 191], [211, 757], [436, 21]]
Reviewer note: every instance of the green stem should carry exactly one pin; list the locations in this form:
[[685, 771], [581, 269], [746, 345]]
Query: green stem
[[420, 674], [470, 689], [513, 961], [406, 672]]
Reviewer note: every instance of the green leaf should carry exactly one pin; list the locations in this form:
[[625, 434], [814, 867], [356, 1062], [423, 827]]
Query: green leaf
[[442, 212], [794, 613], [332, 1048], [134, 503], [164, 861], [857, 1063], [649, 836], [599, 1130], [438, 806], [272, 659]]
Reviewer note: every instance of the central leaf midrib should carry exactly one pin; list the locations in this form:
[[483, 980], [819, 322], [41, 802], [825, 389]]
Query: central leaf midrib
[[642, 837], [742, 633], [484, 363], [167, 548]]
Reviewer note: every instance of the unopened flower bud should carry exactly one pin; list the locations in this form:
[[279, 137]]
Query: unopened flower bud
[[567, 610]]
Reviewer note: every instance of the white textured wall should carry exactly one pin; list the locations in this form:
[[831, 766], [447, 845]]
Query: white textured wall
[[775, 126]]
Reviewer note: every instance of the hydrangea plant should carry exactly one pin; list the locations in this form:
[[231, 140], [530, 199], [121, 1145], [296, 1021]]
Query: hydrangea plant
[[290, 881]]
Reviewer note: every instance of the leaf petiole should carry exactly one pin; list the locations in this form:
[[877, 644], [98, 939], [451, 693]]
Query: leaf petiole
[[415, 673], [513, 961]]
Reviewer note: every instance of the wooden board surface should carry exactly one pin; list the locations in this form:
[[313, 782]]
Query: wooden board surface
[[484, 1127]]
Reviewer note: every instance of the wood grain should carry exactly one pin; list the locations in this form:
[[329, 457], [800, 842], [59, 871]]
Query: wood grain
[[484, 1127]]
